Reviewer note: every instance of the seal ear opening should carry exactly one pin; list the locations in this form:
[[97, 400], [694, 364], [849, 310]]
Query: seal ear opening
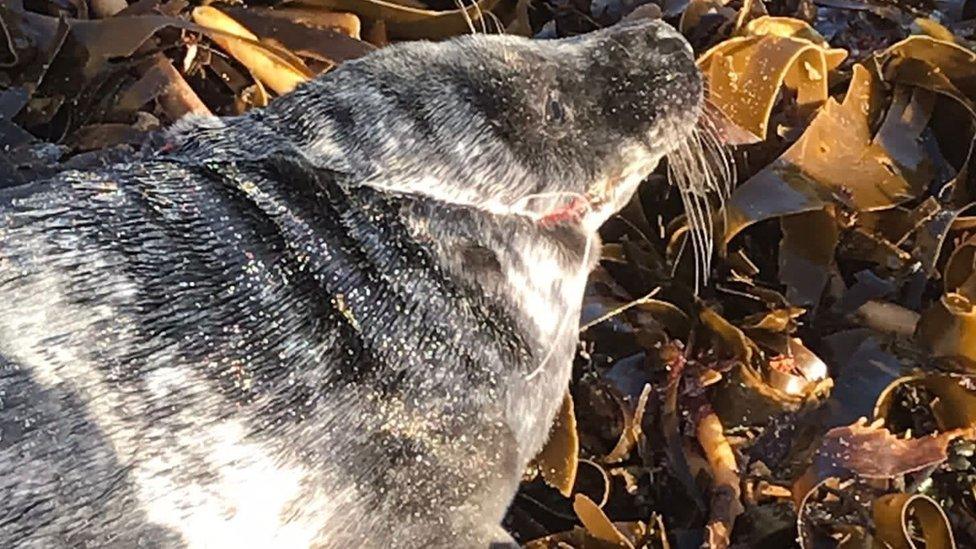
[[555, 111], [558, 116]]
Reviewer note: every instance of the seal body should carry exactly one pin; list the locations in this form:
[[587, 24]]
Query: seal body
[[335, 322]]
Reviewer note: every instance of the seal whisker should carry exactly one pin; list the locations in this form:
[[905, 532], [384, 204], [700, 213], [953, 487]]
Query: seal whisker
[[717, 151], [467, 17], [700, 167], [709, 124], [690, 179], [496, 22], [481, 16]]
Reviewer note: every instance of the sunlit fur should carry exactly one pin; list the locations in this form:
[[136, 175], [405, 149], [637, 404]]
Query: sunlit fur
[[340, 321], [700, 166]]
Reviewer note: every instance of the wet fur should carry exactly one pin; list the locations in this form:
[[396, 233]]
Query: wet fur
[[315, 325]]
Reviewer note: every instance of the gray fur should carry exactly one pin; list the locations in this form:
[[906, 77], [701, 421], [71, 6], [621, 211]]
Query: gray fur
[[341, 321]]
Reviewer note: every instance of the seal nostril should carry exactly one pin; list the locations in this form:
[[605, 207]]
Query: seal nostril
[[668, 46]]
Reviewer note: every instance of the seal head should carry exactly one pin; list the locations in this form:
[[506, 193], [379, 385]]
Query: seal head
[[491, 121]]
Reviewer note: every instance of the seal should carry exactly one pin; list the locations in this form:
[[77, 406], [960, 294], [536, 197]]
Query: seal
[[345, 320]]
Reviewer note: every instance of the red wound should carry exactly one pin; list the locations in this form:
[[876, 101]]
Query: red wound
[[570, 212]]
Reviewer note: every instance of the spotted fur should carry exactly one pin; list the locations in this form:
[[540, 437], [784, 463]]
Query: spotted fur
[[334, 322]]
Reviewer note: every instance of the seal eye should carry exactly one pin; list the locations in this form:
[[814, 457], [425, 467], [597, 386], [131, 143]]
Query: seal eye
[[555, 113]]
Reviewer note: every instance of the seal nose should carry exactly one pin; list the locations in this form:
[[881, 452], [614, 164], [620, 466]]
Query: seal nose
[[645, 71], [659, 43], [675, 62], [668, 41]]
